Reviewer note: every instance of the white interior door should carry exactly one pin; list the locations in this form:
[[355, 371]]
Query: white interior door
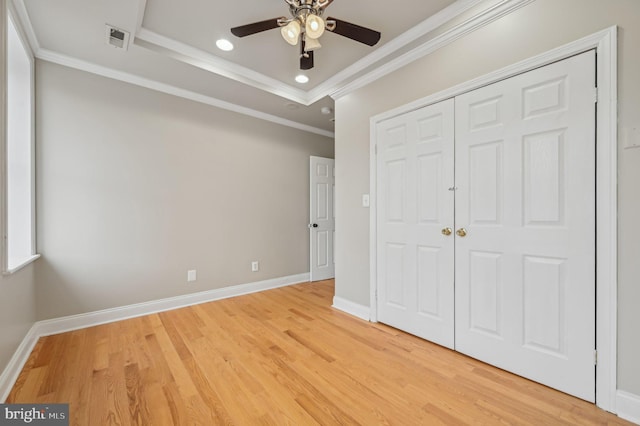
[[414, 214], [322, 218], [525, 271]]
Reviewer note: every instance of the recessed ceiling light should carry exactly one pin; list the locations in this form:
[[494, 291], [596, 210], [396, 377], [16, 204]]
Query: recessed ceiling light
[[224, 44], [302, 79]]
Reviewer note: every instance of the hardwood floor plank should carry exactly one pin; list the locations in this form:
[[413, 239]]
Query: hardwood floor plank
[[174, 335], [138, 409], [169, 356], [117, 398], [362, 402], [217, 411], [163, 374], [77, 386], [159, 410], [175, 404], [30, 365], [308, 344], [280, 357], [28, 384]]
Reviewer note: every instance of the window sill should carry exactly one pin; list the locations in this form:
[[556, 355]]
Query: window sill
[[20, 263]]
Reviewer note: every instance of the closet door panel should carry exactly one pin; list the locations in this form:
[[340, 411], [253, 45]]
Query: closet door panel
[[525, 270], [415, 203]]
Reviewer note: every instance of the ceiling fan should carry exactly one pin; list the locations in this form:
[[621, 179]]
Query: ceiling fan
[[306, 26]]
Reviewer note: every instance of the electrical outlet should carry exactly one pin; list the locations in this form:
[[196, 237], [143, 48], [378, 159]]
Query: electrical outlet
[[255, 266], [191, 275]]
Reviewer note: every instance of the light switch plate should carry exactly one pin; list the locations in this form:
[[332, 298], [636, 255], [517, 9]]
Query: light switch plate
[[191, 275], [365, 200]]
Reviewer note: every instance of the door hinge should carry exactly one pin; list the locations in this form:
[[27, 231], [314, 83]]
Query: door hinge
[[595, 95], [595, 357]]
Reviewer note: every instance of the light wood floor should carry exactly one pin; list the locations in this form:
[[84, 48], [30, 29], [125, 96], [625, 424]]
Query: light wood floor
[[279, 357]]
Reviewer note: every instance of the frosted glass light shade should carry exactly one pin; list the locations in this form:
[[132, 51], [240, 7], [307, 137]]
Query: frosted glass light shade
[[311, 44], [314, 27], [291, 32]]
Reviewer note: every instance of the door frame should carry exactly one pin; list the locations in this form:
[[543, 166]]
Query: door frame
[[605, 44]]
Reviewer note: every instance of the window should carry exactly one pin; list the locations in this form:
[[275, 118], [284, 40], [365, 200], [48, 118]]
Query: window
[[19, 215]]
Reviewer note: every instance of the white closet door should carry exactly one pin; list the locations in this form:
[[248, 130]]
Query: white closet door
[[415, 259], [322, 218], [525, 271]]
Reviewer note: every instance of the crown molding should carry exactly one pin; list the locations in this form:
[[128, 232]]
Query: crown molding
[[18, 9], [142, 6], [339, 80], [341, 84], [478, 21], [212, 63], [68, 61]]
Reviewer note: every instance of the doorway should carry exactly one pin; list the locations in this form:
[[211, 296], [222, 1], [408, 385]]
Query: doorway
[[321, 218]]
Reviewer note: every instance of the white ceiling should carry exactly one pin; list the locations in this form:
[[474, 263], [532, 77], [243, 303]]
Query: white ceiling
[[173, 48]]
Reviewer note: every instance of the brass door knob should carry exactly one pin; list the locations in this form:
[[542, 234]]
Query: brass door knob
[[446, 231], [461, 232]]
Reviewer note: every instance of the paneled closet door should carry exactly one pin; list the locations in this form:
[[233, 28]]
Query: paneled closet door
[[415, 223], [525, 203]]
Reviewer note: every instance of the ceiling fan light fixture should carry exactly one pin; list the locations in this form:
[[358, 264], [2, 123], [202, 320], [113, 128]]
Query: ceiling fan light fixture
[[311, 44], [291, 32], [306, 25], [314, 27]]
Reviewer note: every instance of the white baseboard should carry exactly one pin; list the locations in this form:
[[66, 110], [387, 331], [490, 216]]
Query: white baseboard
[[628, 406], [90, 319], [17, 361], [75, 322], [355, 309]]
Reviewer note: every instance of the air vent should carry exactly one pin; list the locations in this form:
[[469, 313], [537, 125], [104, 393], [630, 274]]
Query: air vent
[[117, 37]]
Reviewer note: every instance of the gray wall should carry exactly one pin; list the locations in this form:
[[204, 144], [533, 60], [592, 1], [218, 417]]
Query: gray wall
[[534, 29], [136, 187], [17, 311]]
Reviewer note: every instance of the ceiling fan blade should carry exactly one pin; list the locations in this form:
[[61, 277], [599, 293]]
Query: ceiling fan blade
[[356, 32], [256, 27]]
